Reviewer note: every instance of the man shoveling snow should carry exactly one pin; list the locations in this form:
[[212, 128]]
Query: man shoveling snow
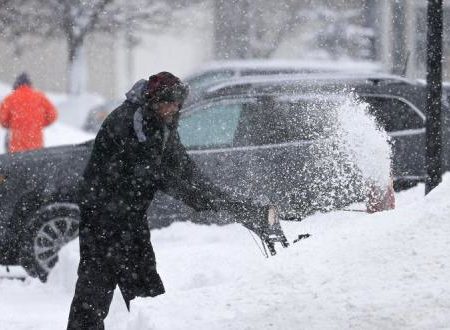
[[137, 152]]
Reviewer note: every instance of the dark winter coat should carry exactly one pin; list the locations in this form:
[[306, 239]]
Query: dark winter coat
[[134, 155]]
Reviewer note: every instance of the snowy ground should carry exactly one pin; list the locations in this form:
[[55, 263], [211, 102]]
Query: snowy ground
[[382, 271]]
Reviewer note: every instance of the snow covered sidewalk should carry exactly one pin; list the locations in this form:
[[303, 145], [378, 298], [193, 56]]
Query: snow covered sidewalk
[[381, 271]]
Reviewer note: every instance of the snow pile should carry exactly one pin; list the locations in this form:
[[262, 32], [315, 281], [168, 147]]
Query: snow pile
[[366, 271], [60, 134], [55, 135], [387, 270], [4, 90], [64, 275]]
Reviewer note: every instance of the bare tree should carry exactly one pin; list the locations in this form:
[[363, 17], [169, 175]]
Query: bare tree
[[10, 19], [76, 19], [253, 28], [272, 21]]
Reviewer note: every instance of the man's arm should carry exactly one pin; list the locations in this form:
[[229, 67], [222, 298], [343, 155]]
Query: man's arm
[[184, 181]]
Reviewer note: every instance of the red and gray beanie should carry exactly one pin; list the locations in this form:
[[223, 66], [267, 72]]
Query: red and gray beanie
[[165, 87]]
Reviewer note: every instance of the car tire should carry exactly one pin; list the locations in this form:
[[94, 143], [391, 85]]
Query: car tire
[[51, 227]]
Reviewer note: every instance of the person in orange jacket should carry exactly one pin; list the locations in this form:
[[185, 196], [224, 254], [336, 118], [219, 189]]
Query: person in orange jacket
[[25, 112]]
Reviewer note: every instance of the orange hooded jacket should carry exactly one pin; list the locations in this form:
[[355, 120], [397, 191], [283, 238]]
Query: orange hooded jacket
[[25, 112]]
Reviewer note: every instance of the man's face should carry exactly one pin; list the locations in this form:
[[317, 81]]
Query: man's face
[[167, 110]]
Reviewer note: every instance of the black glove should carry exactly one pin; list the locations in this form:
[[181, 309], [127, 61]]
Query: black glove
[[263, 221], [255, 218]]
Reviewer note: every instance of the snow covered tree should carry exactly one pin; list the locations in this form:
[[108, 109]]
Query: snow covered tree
[[74, 20], [249, 29], [342, 35]]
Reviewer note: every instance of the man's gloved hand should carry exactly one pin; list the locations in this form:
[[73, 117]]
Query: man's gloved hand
[[256, 219], [262, 220]]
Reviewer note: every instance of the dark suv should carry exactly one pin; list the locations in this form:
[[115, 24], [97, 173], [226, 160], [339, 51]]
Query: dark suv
[[255, 137]]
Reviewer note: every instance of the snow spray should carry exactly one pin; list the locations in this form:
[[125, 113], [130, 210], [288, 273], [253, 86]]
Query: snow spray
[[351, 152], [363, 140]]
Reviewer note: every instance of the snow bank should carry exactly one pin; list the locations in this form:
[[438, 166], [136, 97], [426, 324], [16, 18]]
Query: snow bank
[[64, 275], [60, 134], [4, 90], [55, 135], [387, 270], [368, 271], [74, 110]]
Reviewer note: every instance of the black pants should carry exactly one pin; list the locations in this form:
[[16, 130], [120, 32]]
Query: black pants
[[90, 305]]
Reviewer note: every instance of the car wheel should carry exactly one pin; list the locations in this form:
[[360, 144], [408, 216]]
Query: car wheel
[[51, 227]]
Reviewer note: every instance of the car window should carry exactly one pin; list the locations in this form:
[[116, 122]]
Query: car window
[[393, 114], [209, 127]]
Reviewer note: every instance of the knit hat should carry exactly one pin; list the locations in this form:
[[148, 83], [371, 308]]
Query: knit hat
[[21, 80], [165, 87]]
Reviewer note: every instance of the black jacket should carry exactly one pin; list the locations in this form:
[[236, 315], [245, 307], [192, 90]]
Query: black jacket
[[134, 155]]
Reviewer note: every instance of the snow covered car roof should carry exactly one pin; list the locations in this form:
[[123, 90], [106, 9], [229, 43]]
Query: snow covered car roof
[[254, 83], [308, 66]]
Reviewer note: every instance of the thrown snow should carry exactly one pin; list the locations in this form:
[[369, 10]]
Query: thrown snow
[[364, 140], [366, 271], [349, 151]]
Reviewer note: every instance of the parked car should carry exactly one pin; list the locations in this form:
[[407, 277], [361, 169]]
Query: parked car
[[97, 115], [220, 71], [251, 137]]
